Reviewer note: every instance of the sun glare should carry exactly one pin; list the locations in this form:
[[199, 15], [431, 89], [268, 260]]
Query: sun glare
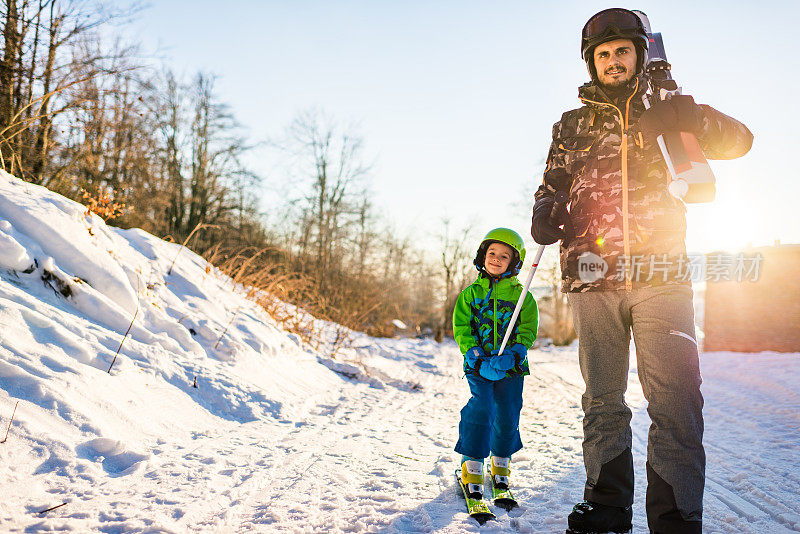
[[734, 220]]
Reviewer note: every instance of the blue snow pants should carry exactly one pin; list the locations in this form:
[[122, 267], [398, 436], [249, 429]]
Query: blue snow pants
[[490, 419]]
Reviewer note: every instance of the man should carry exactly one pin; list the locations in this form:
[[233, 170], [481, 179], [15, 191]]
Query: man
[[623, 262]]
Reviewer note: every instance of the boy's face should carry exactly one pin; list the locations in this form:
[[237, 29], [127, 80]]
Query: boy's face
[[498, 258]]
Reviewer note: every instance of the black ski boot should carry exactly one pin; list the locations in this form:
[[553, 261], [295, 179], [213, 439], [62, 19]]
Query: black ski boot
[[593, 518]]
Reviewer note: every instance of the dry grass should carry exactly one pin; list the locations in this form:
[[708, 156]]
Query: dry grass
[[271, 287], [138, 289], [10, 421], [556, 319], [103, 203], [298, 297], [199, 226]]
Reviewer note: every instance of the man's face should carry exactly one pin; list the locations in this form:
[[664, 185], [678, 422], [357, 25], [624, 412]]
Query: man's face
[[615, 62]]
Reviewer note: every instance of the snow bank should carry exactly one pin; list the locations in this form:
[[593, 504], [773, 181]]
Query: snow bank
[[81, 244], [70, 289]]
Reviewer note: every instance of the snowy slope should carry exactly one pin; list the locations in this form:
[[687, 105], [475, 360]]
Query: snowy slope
[[278, 437]]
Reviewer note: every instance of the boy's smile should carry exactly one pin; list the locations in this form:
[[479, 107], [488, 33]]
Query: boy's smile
[[498, 258]]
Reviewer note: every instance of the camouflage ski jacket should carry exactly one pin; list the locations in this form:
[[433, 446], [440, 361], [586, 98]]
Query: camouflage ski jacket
[[483, 311], [625, 229]]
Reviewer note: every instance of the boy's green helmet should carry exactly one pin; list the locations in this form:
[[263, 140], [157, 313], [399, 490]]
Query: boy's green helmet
[[508, 237]]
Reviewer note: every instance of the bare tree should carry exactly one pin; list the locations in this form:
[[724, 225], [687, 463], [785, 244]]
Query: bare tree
[[328, 164], [46, 45], [365, 236], [171, 108], [456, 256], [555, 315]]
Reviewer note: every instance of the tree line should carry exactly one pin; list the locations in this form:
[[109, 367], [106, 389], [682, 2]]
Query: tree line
[[81, 115]]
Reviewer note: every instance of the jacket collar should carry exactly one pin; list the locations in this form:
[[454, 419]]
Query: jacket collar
[[594, 96], [485, 282]]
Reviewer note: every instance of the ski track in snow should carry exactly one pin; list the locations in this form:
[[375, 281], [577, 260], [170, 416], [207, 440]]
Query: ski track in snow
[[280, 437]]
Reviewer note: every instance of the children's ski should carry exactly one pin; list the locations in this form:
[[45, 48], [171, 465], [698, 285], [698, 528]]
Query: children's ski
[[477, 508], [501, 492]]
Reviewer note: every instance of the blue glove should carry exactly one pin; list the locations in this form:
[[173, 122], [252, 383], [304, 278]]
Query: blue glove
[[503, 362], [520, 351], [511, 356], [472, 356], [490, 372]]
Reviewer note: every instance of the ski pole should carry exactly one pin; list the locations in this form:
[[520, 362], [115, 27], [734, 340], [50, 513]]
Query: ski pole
[[559, 204], [521, 299]]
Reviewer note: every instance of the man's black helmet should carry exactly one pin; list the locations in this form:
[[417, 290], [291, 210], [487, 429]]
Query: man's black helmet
[[610, 24]]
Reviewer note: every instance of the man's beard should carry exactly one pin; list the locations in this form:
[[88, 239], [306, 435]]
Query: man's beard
[[617, 83], [617, 88]]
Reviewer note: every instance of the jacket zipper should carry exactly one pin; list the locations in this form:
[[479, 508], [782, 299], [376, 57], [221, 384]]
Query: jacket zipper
[[626, 243], [494, 322]]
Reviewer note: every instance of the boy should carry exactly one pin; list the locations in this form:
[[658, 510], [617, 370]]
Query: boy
[[490, 419]]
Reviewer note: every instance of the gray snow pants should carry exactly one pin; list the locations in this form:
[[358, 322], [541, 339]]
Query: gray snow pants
[[662, 322]]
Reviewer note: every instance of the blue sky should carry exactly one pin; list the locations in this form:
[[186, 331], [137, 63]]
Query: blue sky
[[455, 100]]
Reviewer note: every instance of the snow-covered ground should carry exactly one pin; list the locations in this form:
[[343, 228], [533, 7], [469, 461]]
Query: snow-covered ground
[[280, 437]]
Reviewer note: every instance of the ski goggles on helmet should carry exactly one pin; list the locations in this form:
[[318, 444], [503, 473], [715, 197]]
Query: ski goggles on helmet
[[605, 22]]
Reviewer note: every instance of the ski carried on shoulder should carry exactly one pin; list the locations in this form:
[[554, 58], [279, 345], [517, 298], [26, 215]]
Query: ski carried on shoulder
[[501, 492], [477, 507]]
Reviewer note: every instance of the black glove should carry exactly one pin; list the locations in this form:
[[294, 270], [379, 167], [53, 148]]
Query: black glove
[[679, 113], [544, 229]]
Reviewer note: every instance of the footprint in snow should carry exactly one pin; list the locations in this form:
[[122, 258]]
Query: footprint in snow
[[112, 454]]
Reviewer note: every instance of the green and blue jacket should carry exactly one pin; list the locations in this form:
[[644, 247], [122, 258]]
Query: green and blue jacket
[[483, 311]]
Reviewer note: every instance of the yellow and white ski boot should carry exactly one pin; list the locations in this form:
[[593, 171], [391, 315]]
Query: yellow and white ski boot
[[500, 471], [472, 478]]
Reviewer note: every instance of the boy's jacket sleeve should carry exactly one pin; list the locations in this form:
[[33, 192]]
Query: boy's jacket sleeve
[[462, 315], [528, 321]]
